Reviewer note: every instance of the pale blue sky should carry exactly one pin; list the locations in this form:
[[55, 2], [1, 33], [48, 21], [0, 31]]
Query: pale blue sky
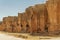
[[12, 7]]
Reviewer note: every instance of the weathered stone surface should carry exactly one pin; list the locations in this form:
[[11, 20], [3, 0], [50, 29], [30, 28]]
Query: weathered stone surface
[[19, 21], [2, 27], [29, 14], [34, 20], [41, 18], [52, 6], [10, 23], [23, 23]]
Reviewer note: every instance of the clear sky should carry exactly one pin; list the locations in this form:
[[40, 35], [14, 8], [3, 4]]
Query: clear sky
[[12, 7]]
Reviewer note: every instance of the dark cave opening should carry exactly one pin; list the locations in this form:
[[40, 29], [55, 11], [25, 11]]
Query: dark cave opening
[[21, 25], [27, 28], [46, 29]]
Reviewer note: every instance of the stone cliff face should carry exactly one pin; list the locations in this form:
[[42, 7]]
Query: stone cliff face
[[53, 15], [10, 23], [41, 18]]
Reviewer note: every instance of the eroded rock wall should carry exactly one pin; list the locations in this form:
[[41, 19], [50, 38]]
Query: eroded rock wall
[[53, 15], [36, 19]]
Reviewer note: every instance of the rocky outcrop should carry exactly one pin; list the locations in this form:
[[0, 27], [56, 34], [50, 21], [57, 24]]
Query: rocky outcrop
[[41, 18], [10, 23], [2, 26], [53, 15]]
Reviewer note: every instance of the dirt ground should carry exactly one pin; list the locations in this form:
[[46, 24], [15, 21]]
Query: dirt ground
[[26, 36]]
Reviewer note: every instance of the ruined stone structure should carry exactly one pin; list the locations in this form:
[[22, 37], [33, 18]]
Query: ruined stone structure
[[41, 18]]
